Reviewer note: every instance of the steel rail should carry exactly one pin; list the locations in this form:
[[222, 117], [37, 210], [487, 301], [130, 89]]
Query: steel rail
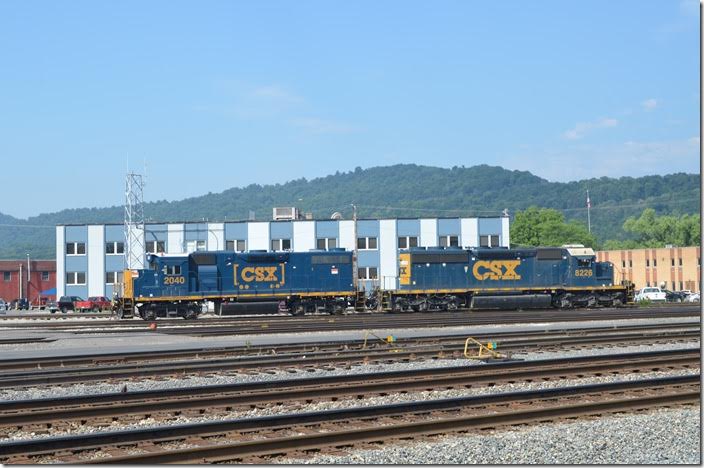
[[276, 322], [688, 387], [24, 412], [123, 357], [82, 374], [313, 358]]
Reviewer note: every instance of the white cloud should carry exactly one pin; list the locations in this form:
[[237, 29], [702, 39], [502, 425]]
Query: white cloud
[[582, 128], [649, 104], [631, 158], [315, 125]]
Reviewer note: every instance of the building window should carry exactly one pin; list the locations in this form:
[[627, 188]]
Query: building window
[[367, 273], [407, 242], [366, 243], [623, 264], [75, 277], [115, 248], [45, 276], [655, 262], [326, 243], [630, 264], [280, 244], [672, 262], [491, 240], [113, 277], [239, 245], [7, 275], [681, 286], [680, 263], [647, 262], [75, 248], [647, 284], [449, 241], [154, 247]]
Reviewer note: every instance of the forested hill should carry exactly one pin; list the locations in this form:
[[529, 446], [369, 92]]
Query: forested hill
[[405, 190]]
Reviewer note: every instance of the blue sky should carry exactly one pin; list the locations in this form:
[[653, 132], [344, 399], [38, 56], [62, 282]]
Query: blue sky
[[217, 94]]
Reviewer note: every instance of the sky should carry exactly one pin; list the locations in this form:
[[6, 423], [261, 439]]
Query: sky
[[205, 96]]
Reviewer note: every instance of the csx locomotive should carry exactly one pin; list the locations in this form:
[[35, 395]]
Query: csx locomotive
[[430, 279]]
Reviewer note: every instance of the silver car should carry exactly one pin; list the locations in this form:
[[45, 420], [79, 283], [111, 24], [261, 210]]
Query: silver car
[[3, 305]]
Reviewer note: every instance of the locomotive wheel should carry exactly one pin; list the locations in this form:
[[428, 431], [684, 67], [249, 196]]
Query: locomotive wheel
[[298, 310], [148, 314]]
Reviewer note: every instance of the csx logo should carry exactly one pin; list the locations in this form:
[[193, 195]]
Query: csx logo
[[260, 274], [496, 270]]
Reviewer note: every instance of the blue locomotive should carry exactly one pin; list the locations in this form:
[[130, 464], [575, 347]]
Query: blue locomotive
[[485, 278], [322, 281], [296, 282]]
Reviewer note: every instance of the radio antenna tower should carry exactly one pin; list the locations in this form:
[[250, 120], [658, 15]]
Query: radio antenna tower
[[134, 221]]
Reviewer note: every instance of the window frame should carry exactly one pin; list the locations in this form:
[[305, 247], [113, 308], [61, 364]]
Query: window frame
[[75, 245], [326, 243], [75, 281], [156, 244], [407, 240], [281, 245], [117, 279], [7, 276], [364, 273], [448, 240], [43, 274], [235, 245], [114, 245]]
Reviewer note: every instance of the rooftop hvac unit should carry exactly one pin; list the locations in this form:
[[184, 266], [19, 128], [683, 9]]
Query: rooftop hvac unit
[[286, 213]]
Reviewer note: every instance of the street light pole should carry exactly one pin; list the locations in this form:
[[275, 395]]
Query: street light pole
[[354, 256], [29, 279]]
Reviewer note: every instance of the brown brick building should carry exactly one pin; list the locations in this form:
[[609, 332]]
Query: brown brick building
[[679, 268], [41, 284]]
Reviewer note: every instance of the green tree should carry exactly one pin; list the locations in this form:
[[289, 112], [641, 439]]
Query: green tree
[[535, 227], [651, 230]]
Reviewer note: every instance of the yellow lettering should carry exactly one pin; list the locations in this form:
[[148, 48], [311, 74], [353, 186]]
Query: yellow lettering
[[496, 270], [248, 274]]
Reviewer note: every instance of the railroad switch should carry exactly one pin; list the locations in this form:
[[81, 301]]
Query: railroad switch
[[484, 351]]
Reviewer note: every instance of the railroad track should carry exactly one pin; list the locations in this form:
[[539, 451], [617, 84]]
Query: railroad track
[[117, 367], [40, 414], [259, 439], [222, 326]]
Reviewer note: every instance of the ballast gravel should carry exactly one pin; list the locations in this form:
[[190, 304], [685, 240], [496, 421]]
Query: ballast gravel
[[657, 437], [77, 428], [162, 382]]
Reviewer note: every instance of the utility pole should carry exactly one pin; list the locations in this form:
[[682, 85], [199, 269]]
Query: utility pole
[[354, 255], [20, 283], [29, 280], [589, 218]]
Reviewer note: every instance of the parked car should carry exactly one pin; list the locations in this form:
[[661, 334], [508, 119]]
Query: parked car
[[651, 294], [75, 303], [694, 297], [675, 296], [100, 303], [3, 305], [52, 306], [20, 304]]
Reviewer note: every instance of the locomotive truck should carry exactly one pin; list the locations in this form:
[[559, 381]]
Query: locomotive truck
[[430, 279]]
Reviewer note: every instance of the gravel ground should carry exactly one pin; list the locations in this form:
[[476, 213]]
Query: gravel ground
[[155, 340], [77, 428], [619, 439], [160, 382]]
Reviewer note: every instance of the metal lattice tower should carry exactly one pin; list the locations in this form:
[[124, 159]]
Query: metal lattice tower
[[134, 221]]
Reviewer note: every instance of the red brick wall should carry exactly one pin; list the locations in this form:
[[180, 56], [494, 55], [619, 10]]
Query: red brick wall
[[9, 290]]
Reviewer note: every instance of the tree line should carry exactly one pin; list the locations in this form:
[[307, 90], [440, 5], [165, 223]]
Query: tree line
[[536, 226]]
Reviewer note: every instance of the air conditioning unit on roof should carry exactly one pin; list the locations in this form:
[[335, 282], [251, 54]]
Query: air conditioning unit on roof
[[286, 213]]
